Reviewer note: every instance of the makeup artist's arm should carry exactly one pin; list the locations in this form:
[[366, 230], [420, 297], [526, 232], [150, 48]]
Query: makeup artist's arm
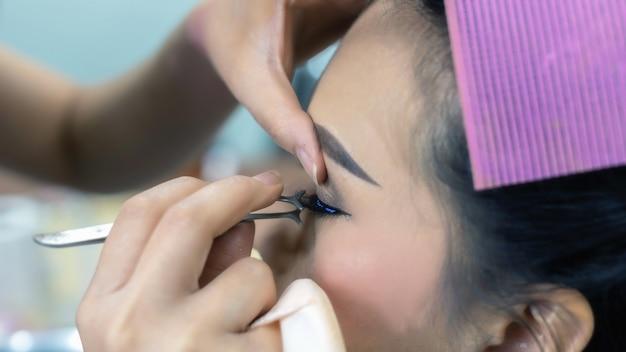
[[132, 130], [145, 124]]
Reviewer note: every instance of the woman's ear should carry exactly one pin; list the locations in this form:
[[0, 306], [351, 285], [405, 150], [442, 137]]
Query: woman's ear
[[554, 320]]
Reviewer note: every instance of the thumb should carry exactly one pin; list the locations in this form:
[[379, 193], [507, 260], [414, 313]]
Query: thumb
[[282, 116], [235, 244]]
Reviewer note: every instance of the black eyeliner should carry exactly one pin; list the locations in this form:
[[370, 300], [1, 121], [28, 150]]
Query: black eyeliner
[[315, 204], [320, 206]]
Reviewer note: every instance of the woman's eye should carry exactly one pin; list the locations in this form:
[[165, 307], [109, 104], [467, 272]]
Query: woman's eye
[[317, 206]]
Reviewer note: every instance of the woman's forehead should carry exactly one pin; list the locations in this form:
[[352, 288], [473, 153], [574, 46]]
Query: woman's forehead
[[367, 96]]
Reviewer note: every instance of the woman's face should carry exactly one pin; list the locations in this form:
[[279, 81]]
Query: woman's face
[[381, 266]]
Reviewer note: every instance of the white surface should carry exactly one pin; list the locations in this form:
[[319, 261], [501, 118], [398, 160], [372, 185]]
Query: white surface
[[307, 319]]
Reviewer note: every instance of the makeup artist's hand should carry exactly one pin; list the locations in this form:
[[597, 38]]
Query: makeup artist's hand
[[254, 45], [174, 274]]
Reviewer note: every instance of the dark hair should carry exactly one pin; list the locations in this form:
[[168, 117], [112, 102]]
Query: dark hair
[[569, 232]]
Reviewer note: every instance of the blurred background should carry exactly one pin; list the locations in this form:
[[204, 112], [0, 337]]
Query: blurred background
[[91, 41]]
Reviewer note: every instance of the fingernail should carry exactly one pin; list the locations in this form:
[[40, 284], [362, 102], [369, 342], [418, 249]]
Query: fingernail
[[269, 178], [535, 313], [307, 163]]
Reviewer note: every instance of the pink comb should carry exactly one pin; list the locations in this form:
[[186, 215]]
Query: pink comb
[[542, 84]]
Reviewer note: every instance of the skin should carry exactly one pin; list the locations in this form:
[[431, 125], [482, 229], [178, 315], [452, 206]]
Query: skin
[[395, 238], [368, 263]]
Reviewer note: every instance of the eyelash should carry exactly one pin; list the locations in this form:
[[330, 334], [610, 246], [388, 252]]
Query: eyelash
[[322, 209]]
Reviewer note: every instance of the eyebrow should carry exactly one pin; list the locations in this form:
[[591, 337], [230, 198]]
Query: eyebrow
[[333, 148]]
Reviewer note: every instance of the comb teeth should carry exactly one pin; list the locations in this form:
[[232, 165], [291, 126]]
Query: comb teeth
[[542, 85]]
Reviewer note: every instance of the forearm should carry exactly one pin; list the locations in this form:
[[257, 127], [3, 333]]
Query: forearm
[[143, 126], [33, 104], [132, 130]]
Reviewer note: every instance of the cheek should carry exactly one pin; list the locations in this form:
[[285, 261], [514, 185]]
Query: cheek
[[378, 276]]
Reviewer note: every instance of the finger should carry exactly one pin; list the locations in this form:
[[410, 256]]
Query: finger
[[267, 66], [177, 251], [132, 228], [280, 114], [238, 295], [227, 249]]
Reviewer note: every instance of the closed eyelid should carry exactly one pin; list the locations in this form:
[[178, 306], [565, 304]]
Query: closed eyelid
[[328, 193]]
